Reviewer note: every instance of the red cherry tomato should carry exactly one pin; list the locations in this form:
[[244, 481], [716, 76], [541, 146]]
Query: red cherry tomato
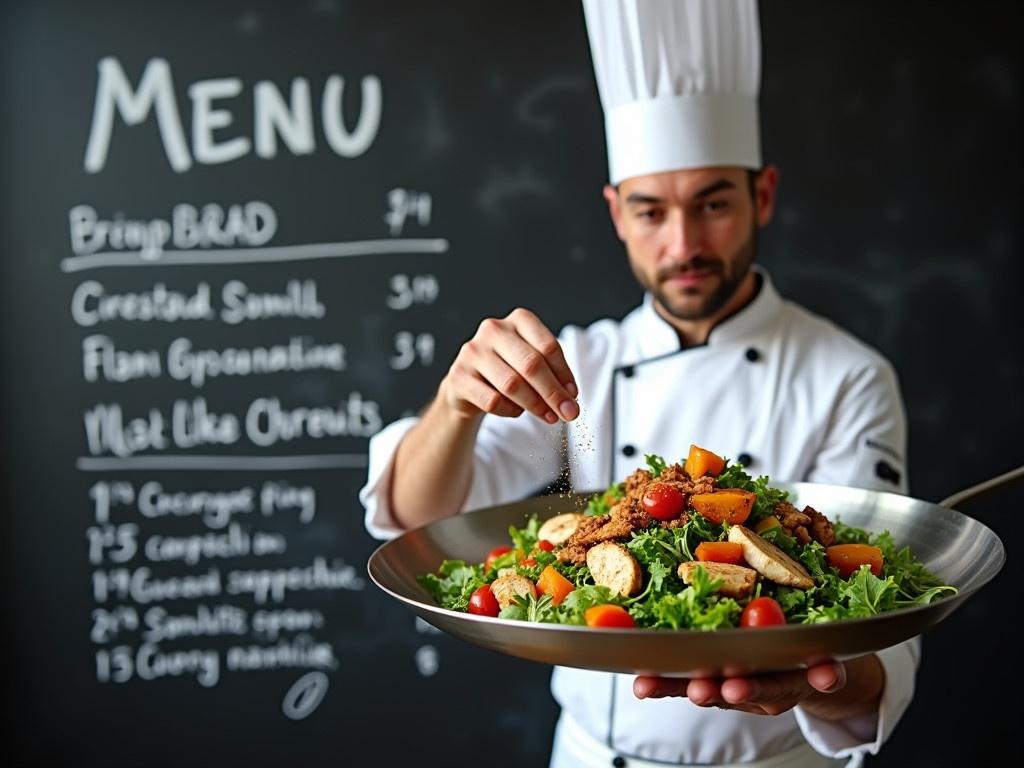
[[663, 502], [483, 602], [546, 545], [528, 562], [762, 612], [494, 555]]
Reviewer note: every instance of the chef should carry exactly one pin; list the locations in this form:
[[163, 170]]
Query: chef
[[713, 356]]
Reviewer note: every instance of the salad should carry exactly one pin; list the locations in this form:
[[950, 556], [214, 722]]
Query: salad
[[698, 545]]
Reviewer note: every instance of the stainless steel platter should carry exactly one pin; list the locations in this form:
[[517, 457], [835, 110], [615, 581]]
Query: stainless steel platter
[[958, 549]]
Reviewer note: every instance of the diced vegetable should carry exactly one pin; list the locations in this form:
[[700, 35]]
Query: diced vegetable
[[720, 552], [551, 582], [663, 501], [729, 506], [482, 602], [767, 524], [762, 612], [703, 462], [608, 616], [848, 558], [494, 555]]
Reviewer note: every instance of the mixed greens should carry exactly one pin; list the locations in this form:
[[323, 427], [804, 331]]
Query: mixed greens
[[532, 579]]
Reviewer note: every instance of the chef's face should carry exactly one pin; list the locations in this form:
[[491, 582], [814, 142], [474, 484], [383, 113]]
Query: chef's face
[[691, 235]]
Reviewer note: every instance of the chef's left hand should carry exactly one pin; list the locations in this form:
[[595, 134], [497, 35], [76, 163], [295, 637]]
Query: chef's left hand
[[830, 691]]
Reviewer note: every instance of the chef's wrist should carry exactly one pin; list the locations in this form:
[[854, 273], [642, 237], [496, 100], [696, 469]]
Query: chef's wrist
[[452, 408]]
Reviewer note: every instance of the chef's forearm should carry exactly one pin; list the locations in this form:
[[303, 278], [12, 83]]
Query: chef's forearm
[[434, 465]]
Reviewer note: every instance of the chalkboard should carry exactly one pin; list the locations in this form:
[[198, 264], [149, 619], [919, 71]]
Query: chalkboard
[[239, 238]]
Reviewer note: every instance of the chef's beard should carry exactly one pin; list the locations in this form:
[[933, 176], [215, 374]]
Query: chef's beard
[[729, 280]]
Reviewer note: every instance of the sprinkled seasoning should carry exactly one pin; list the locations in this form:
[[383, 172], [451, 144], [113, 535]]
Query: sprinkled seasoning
[[558, 436]]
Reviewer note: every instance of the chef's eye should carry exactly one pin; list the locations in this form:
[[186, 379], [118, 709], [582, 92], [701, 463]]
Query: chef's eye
[[650, 215], [714, 206]]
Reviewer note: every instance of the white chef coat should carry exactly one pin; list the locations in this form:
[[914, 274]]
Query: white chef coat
[[793, 395]]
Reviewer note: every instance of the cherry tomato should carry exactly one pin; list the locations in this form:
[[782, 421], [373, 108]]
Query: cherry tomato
[[546, 545], [494, 555], [762, 612], [848, 558], [663, 502], [483, 602], [528, 562]]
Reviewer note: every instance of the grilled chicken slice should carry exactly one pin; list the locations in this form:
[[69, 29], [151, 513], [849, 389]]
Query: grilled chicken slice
[[505, 588], [770, 561], [737, 581], [613, 566], [560, 527]]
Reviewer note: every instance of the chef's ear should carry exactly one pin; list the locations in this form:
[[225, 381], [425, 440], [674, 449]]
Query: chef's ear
[[766, 181], [611, 195]]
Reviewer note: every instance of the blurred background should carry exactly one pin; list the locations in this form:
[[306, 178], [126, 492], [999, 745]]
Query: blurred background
[[346, 189]]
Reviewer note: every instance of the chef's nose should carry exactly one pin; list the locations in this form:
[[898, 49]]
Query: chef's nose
[[684, 237]]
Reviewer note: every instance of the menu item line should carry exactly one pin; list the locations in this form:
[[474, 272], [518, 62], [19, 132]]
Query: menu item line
[[220, 463], [383, 246]]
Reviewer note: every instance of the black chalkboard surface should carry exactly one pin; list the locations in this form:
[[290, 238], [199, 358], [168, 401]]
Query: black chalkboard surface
[[239, 238]]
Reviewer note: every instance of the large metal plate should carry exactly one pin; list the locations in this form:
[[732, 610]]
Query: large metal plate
[[960, 550]]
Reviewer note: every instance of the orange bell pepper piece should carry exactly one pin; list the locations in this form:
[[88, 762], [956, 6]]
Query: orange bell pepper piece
[[730, 506], [703, 462], [551, 582], [848, 558], [608, 616], [720, 552]]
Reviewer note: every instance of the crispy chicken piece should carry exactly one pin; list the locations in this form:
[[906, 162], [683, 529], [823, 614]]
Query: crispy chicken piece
[[506, 588], [821, 528], [626, 516], [572, 553], [806, 525], [674, 473], [636, 483], [613, 566], [770, 561], [737, 581]]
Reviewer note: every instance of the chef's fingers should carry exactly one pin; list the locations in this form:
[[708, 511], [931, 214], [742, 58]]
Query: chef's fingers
[[827, 678], [533, 367], [773, 693], [472, 389], [511, 384], [645, 687], [543, 340], [705, 692]]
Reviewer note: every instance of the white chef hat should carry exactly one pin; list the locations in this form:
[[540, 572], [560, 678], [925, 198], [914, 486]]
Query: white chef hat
[[678, 81]]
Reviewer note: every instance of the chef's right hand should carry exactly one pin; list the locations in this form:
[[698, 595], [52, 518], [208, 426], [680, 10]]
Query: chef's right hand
[[512, 365]]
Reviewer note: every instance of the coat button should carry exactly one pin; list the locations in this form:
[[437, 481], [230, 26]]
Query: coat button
[[752, 354], [628, 450], [628, 371], [619, 761], [745, 459]]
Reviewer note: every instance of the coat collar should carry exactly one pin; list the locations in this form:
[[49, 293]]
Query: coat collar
[[656, 338]]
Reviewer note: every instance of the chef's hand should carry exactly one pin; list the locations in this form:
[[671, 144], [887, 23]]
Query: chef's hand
[[512, 365], [830, 691]]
